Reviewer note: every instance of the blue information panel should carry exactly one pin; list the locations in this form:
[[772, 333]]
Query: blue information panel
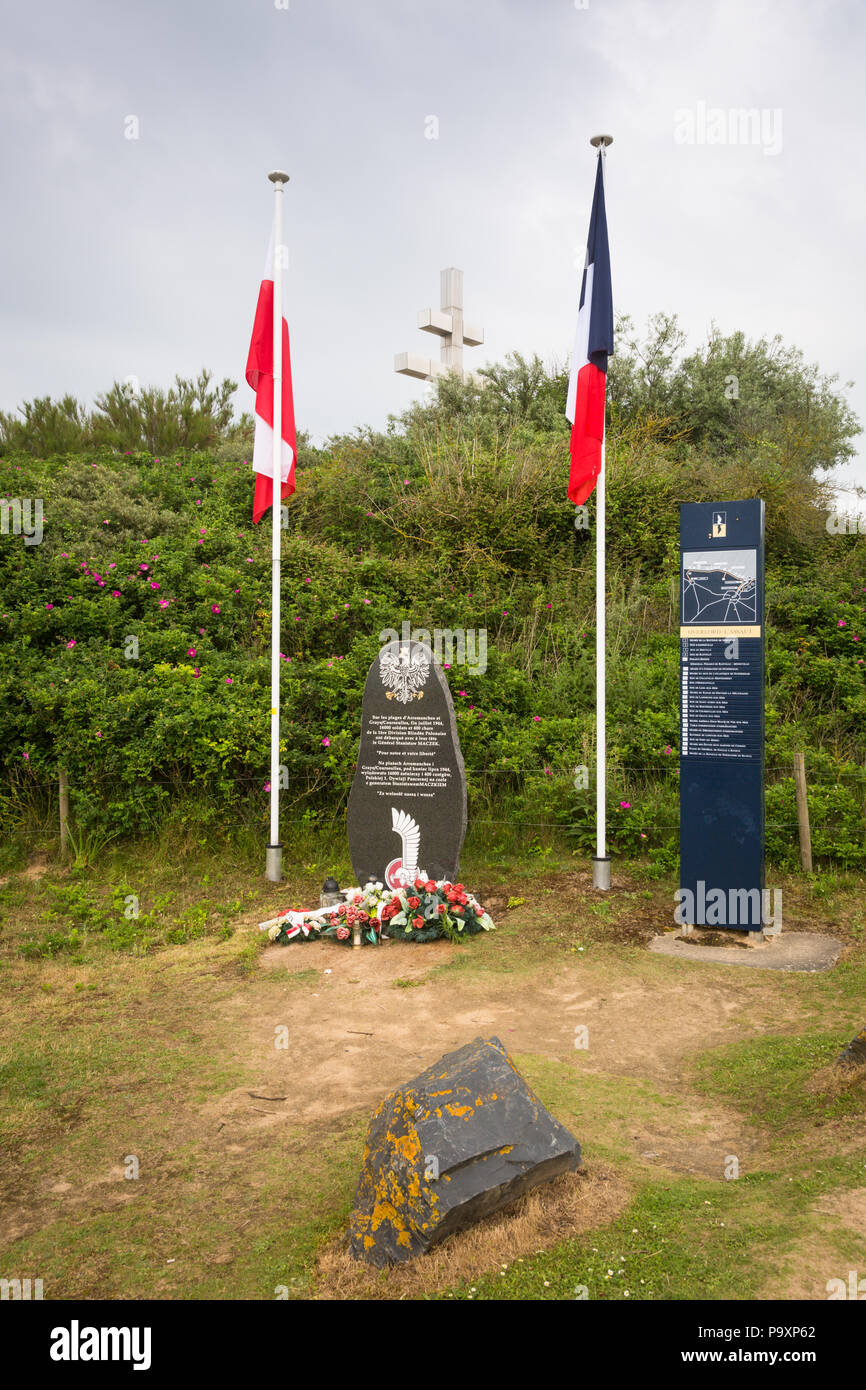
[[722, 713]]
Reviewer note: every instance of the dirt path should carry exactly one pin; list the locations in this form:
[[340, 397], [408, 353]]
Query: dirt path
[[358, 1024]]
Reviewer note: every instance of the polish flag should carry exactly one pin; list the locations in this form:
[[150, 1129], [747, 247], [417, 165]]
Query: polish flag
[[592, 346], [260, 375]]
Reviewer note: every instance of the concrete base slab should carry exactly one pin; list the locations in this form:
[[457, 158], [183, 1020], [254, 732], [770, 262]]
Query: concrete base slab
[[801, 951]]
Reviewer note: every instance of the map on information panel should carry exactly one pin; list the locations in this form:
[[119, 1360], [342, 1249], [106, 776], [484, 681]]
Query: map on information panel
[[719, 586]]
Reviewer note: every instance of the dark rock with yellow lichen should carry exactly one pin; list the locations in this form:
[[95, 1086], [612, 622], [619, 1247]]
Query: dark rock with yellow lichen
[[854, 1054], [463, 1140]]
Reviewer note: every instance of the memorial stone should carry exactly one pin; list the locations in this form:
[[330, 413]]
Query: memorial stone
[[407, 807]]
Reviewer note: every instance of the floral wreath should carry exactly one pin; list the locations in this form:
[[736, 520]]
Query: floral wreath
[[426, 910]]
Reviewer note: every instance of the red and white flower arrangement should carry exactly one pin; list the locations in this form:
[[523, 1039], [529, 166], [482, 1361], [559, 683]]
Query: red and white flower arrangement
[[426, 910]]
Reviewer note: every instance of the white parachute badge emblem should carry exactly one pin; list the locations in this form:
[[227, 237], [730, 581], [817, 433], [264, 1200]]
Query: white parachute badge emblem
[[404, 870]]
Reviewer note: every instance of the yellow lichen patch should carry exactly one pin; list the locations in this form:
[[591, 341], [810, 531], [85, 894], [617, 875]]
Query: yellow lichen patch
[[495, 1153], [408, 1146], [458, 1110], [449, 1092], [384, 1211]]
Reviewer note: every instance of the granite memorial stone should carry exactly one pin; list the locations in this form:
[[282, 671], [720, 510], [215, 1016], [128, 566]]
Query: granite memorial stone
[[407, 807], [461, 1141], [855, 1053]]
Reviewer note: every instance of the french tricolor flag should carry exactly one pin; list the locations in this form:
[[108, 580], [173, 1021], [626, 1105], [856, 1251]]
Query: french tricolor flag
[[260, 375], [592, 346]]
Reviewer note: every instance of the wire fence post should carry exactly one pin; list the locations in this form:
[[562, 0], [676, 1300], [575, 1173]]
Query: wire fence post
[[803, 812], [63, 786]]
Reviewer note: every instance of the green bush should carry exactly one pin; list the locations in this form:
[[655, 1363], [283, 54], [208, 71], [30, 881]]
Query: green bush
[[136, 635]]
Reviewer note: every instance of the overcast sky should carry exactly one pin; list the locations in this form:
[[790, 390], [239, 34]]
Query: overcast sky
[[143, 256]]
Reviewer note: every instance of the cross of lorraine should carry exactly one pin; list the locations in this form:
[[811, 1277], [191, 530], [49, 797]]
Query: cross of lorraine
[[447, 323]]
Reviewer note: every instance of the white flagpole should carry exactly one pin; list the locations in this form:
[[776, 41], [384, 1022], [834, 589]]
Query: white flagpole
[[601, 860], [274, 854]]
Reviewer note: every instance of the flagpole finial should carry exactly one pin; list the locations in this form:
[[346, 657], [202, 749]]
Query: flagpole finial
[[277, 176], [601, 140]]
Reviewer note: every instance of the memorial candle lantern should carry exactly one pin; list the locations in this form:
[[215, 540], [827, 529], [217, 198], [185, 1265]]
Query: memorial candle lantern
[[331, 894]]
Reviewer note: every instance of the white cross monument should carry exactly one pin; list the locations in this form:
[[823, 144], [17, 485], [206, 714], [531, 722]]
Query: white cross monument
[[448, 323]]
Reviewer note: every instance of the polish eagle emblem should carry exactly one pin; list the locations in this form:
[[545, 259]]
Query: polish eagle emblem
[[404, 672]]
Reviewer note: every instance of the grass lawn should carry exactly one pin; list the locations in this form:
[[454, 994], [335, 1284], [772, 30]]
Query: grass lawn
[[149, 1044]]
